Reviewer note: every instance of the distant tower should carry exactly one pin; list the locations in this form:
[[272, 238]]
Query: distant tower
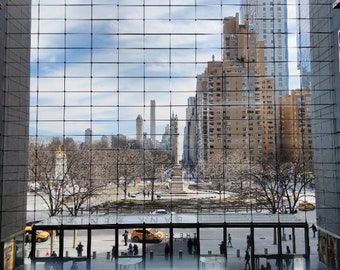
[[88, 136], [139, 130], [153, 122], [60, 164]]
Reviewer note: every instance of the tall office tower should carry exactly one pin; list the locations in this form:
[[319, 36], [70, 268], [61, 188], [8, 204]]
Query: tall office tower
[[190, 135], [153, 122], [139, 131], [166, 137], [296, 127], [325, 63], [303, 43], [88, 136], [269, 20], [15, 34], [237, 100]]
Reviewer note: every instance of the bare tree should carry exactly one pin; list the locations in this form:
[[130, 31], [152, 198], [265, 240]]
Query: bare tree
[[64, 179], [277, 183], [155, 163]]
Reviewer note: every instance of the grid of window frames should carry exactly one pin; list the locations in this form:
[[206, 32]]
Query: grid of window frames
[[166, 112]]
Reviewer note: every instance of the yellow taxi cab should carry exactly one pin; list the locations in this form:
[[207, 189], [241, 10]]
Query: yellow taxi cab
[[40, 236], [306, 206], [151, 235]]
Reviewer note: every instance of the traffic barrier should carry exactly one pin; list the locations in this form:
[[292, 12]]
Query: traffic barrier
[[108, 255], [266, 251], [180, 254], [94, 254], [238, 253]]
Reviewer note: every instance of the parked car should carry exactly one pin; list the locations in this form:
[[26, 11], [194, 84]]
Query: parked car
[[151, 235], [162, 212], [40, 236], [306, 206]]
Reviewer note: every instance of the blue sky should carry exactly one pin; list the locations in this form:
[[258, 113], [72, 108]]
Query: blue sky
[[77, 83]]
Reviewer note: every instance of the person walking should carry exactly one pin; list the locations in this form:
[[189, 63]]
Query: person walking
[[314, 229], [113, 252], [166, 250], [190, 245], [130, 250], [229, 244], [246, 259], [287, 259], [135, 250], [79, 249], [248, 241], [222, 248], [126, 235]]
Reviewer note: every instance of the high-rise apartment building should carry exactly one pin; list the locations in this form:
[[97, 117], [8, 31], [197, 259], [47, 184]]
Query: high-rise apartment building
[[190, 134], [303, 43], [296, 127], [268, 19], [236, 99], [15, 21]]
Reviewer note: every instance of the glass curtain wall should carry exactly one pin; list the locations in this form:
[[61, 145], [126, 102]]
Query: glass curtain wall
[[157, 113]]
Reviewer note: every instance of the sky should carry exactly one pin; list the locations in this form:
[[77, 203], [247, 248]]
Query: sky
[[86, 75]]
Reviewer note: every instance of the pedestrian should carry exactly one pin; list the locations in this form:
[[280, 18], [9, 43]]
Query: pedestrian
[[135, 250], [229, 241], [288, 259], [269, 267], [130, 250], [248, 241], [79, 249], [190, 245], [30, 255], [53, 254], [246, 259], [113, 252], [197, 245], [314, 229], [27, 238], [126, 235], [166, 250], [222, 248]]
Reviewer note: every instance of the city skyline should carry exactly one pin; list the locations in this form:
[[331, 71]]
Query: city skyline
[[94, 93]]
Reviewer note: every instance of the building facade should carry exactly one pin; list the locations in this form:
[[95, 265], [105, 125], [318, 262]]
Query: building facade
[[190, 135], [268, 19], [14, 117], [325, 23], [237, 115], [296, 127]]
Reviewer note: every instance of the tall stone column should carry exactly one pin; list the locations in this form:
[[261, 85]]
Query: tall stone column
[[177, 184]]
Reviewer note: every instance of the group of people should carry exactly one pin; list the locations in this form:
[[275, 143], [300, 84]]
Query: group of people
[[193, 244]]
